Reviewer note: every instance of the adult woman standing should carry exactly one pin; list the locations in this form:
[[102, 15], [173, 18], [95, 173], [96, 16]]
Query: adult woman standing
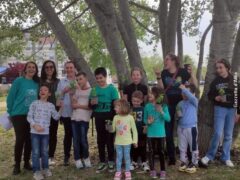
[[170, 79], [222, 94], [49, 78], [23, 92], [64, 89]]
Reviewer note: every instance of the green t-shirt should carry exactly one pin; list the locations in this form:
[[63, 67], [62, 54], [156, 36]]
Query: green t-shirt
[[22, 93], [106, 96]]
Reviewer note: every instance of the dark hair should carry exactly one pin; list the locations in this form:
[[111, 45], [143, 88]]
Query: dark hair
[[136, 69], [157, 92], [82, 74], [35, 77], [175, 58], [225, 63], [69, 62], [43, 72], [192, 88], [45, 85], [100, 70], [124, 106], [137, 94]]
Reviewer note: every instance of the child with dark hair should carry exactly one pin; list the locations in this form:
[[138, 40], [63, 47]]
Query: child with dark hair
[[155, 115], [39, 116], [126, 135], [102, 98], [187, 129], [140, 151]]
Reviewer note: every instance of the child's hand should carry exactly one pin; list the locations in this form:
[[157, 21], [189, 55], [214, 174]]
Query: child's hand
[[150, 120], [93, 101], [66, 90], [144, 129], [218, 99], [159, 108], [237, 118], [38, 128], [182, 86], [135, 145]]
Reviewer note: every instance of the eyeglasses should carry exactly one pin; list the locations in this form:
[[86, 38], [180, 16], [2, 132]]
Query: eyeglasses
[[48, 67]]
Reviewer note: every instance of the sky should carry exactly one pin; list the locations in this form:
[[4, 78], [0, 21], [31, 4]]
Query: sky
[[189, 43]]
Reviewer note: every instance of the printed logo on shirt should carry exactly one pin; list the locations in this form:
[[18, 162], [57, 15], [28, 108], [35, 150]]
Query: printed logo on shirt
[[222, 86], [122, 128], [138, 116], [30, 96]]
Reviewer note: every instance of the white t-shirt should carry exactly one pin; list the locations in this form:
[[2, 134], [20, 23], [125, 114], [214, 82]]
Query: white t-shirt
[[82, 97]]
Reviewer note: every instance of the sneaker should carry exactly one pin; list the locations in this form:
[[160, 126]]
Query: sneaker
[[229, 163], [128, 175], [46, 173], [163, 175], [79, 164], [27, 166], [111, 166], [16, 169], [145, 166], [38, 175], [153, 174], [133, 166], [101, 167], [191, 168], [182, 167], [204, 161], [118, 176], [51, 162], [66, 161], [87, 163]]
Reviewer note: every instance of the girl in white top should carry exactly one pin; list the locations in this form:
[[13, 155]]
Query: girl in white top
[[80, 121]]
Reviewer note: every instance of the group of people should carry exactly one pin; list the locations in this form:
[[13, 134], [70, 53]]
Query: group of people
[[135, 121]]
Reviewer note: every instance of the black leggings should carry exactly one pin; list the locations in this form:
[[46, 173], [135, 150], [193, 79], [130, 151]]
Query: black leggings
[[23, 138], [52, 137], [140, 151], [156, 146], [67, 141]]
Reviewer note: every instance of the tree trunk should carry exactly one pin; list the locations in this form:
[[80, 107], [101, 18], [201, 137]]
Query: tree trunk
[[172, 26], [179, 35], [162, 16], [129, 38], [222, 40], [65, 40], [201, 54], [236, 69]]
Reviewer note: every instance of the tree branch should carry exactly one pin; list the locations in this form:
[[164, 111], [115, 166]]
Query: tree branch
[[146, 28], [146, 8], [80, 15], [42, 21]]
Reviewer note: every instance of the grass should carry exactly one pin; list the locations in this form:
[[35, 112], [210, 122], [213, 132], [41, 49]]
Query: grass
[[216, 171]]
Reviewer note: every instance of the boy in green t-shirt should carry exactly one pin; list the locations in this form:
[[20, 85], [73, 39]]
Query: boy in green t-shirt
[[102, 98]]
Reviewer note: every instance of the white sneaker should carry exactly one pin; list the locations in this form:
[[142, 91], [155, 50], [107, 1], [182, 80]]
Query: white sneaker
[[47, 173], [87, 163], [229, 163], [205, 160], [51, 162], [38, 175], [145, 166], [79, 164], [133, 166]]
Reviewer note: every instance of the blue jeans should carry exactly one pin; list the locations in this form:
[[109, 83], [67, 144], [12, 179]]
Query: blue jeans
[[123, 150], [39, 150], [80, 141], [223, 123]]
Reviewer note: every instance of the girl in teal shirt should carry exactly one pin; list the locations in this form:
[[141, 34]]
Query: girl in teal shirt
[[155, 115], [23, 92]]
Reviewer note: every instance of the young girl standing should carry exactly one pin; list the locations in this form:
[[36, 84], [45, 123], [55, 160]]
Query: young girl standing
[[155, 115], [126, 134]]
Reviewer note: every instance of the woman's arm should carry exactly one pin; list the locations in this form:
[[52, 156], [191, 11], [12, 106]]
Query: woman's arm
[[12, 96]]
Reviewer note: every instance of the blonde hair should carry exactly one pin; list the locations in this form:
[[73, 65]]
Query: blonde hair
[[137, 94], [124, 106]]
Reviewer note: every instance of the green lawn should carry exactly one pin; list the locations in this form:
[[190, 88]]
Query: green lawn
[[216, 171]]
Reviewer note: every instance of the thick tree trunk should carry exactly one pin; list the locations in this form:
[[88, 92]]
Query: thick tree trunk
[[222, 41], [128, 35], [179, 35], [103, 11], [236, 69], [162, 16], [65, 40], [201, 54]]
